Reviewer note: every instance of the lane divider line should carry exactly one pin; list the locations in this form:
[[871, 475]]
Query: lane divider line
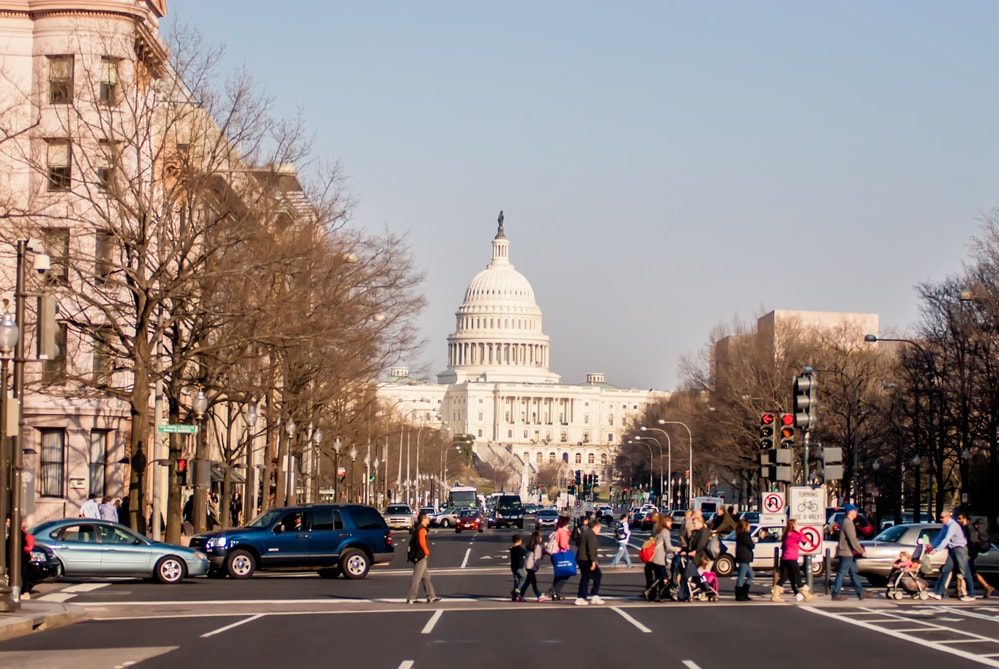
[[642, 628], [233, 625], [690, 664], [464, 563], [406, 664], [429, 627]]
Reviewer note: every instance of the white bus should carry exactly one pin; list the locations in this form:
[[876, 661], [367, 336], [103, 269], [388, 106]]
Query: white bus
[[462, 497]]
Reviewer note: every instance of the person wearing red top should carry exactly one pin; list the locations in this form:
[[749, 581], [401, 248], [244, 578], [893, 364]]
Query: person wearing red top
[[28, 545], [421, 573], [789, 570], [562, 536]]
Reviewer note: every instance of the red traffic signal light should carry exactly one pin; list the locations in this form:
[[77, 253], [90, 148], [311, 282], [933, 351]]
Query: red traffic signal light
[[787, 419], [181, 465], [767, 419]]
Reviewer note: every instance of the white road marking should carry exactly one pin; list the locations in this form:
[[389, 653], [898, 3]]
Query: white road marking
[[85, 587], [464, 563], [235, 624], [980, 659], [407, 664], [56, 597], [631, 620], [429, 627], [690, 664]]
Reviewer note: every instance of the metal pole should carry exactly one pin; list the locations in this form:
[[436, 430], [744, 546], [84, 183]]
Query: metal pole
[[7, 601], [690, 461], [16, 445]]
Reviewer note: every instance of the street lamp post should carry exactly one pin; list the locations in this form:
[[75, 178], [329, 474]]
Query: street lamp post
[[965, 486], [652, 465], [876, 466], [917, 459], [353, 457], [199, 405], [250, 493], [374, 486], [289, 428], [669, 463], [9, 597], [367, 476], [690, 459], [661, 475], [317, 463], [337, 445]]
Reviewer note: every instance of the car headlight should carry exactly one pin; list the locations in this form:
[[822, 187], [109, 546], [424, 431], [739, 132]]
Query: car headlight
[[216, 542], [39, 556], [200, 556]]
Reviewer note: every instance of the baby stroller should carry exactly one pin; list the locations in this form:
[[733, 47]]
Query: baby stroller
[[703, 587], [906, 581], [689, 585]]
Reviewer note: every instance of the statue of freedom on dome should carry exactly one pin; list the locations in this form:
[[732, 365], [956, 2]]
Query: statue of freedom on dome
[[500, 221]]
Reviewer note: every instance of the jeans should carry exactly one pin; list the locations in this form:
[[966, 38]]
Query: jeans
[[847, 565], [421, 574], [585, 576], [532, 582], [519, 579], [745, 576], [957, 557], [622, 552]]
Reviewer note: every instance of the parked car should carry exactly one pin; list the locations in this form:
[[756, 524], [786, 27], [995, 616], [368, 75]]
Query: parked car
[[890, 521], [327, 538], [751, 516], [445, 518], [546, 518], [468, 519], [399, 516], [763, 552], [43, 565], [865, 528], [883, 550], [86, 547], [429, 510]]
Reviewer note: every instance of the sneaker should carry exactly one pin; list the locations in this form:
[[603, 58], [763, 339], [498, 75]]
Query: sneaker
[[581, 602], [410, 601], [839, 598], [25, 595], [967, 598], [934, 595], [799, 597], [595, 599], [542, 598], [431, 600], [520, 599], [867, 595]]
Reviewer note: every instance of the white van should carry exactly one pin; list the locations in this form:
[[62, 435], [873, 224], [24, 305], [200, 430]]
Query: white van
[[708, 505]]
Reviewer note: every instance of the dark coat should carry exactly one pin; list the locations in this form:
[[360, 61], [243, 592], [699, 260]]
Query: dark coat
[[744, 547]]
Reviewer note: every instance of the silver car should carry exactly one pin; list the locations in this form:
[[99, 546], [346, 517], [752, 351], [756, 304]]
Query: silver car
[[882, 551], [399, 516], [763, 551]]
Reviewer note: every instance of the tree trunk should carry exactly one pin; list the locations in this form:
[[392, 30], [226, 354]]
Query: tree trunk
[[138, 457]]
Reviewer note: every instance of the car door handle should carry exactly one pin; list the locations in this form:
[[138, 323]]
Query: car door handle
[[304, 535]]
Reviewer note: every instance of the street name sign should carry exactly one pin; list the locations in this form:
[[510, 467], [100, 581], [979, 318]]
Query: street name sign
[[177, 428]]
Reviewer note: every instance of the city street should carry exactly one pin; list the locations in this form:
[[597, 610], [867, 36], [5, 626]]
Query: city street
[[274, 620]]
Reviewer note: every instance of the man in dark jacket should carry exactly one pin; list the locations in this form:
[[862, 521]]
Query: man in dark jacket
[[589, 570], [724, 522]]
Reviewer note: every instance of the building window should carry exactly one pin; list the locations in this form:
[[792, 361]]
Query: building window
[[586, 437], [579, 458], [586, 419], [107, 161], [54, 369], [610, 437], [539, 458], [509, 434], [60, 80], [103, 246], [603, 459], [56, 242], [59, 164], [480, 433], [102, 357], [51, 463], [610, 419], [563, 436], [591, 459], [551, 458], [99, 440], [108, 95], [480, 416]]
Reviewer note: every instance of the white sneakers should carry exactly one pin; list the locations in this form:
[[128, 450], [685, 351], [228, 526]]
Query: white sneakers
[[581, 602], [799, 597], [595, 599], [934, 595], [967, 598]]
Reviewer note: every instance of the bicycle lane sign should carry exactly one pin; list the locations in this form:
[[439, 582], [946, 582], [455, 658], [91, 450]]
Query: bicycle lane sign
[[807, 505]]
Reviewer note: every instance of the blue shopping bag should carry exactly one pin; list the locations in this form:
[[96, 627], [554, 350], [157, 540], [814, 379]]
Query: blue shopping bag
[[564, 564]]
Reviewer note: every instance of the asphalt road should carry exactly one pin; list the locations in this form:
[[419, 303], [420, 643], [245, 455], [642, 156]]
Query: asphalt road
[[301, 620]]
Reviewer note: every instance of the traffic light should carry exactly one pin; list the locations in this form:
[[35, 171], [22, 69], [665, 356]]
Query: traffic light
[[579, 477], [596, 480], [832, 463], [767, 472], [182, 471], [805, 401], [767, 431], [786, 430]]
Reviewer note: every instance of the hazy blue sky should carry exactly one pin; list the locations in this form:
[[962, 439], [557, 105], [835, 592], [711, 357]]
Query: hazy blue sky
[[663, 166]]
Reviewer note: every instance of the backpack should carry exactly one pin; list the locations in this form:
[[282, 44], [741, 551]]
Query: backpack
[[981, 540], [551, 546], [715, 547], [414, 552], [619, 533]]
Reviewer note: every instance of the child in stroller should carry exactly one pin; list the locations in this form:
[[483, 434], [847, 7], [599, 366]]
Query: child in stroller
[[704, 583], [904, 577]]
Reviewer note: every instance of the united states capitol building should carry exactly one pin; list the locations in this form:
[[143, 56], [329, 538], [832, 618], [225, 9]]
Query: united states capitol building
[[499, 390]]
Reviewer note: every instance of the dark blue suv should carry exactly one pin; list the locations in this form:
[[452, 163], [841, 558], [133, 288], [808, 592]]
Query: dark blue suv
[[327, 538]]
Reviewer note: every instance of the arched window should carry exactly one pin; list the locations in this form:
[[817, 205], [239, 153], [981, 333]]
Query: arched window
[[603, 459], [591, 459], [579, 458], [527, 456], [551, 458]]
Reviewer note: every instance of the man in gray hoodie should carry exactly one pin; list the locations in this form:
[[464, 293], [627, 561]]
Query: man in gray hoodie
[[589, 570], [848, 550]]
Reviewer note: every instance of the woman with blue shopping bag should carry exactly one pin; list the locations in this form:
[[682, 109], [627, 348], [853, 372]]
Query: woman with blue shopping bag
[[563, 559]]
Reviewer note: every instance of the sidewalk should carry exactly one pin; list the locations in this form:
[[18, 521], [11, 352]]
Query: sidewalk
[[37, 616]]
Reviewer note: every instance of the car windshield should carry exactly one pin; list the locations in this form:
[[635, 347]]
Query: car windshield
[[892, 534], [398, 508], [266, 519], [548, 513], [468, 513]]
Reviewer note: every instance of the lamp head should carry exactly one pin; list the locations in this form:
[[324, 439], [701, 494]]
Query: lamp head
[[870, 339]]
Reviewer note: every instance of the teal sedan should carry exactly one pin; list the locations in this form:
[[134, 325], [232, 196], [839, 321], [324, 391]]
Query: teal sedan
[[86, 547]]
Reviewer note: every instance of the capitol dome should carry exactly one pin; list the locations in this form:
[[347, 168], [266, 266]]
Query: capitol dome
[[498, 334]]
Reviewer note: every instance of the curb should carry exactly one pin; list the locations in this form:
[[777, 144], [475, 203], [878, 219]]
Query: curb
[[38, 616]]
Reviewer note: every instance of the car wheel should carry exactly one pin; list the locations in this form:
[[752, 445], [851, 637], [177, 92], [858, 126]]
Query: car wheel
[[354, 564], [169, 570], [818, 567], [240, 564], [445, 524], [725, 565], [216, 572], [328, 573]]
